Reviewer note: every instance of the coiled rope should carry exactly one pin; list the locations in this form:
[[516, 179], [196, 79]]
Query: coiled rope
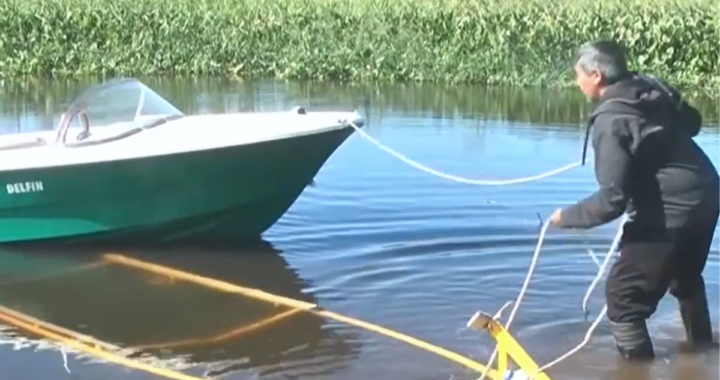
[[536, 254]]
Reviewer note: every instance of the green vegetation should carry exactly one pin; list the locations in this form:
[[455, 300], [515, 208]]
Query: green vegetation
[[511, 42], [541, 107]]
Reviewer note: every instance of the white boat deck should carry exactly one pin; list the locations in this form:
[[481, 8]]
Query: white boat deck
[[187, 134]]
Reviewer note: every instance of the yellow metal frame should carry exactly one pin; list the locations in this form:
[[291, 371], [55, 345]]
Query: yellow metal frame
[[507, 346], [85, 344], [296, 304], [232, 334]]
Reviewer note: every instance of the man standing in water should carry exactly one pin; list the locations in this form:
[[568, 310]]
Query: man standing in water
[[648, 166]]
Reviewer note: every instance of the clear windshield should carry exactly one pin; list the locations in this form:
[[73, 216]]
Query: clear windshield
[[121, 101]]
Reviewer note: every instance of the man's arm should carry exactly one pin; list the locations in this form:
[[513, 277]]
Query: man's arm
[[612, 167]]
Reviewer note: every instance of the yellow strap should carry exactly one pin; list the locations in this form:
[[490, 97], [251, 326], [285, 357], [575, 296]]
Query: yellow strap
[[95, 351], [234, 333], [46, 326], [275, 299]]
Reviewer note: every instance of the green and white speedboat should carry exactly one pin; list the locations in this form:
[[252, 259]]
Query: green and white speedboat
[[126, 165]]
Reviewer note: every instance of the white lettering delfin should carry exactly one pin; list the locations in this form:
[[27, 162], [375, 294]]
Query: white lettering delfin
[[25, 187]]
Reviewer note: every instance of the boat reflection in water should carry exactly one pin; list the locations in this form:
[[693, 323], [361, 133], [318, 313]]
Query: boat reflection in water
[[172, 319]]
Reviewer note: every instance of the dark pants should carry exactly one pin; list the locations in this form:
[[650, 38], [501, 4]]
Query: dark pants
[[653, 262]]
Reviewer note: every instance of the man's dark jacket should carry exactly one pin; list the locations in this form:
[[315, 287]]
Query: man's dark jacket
[[646, 161]]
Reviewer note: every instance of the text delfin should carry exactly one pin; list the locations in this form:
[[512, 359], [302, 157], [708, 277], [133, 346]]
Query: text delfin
[[25, 187]]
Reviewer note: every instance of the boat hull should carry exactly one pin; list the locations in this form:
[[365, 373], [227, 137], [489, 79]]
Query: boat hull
[[225, 195]]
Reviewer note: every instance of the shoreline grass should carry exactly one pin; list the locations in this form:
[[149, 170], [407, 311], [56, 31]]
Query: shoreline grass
[[492, 42]]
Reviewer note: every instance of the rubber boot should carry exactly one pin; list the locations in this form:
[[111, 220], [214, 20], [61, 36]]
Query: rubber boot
[[633, 341], [696, 321]]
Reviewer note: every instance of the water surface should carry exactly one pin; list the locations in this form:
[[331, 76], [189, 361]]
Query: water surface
[[374, 239]]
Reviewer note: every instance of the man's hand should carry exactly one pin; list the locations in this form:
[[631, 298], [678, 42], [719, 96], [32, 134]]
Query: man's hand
[[556, 217]]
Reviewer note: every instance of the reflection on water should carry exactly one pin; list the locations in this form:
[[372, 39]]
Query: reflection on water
[[31, 105], [74, 288], [374, 239]]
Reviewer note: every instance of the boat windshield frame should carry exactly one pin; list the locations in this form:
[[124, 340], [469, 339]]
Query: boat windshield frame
[[109, 95]]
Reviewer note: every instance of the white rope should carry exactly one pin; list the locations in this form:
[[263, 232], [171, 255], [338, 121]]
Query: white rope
[[454, 178], [597, 262], [601, 315], [65, 359], [536, 254], [521, 295], [602, 266]]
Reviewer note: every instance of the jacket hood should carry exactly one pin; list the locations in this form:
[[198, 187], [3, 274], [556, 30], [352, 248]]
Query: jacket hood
[[639, 95]]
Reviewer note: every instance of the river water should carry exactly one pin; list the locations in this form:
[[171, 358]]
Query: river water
[[374, 239]]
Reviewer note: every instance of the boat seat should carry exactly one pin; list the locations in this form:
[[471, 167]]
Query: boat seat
[[37, 142]]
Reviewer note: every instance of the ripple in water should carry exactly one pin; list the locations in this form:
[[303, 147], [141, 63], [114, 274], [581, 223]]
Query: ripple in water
[[380, 241]]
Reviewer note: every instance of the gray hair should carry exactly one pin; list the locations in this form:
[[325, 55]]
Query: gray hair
[[604, 56]]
